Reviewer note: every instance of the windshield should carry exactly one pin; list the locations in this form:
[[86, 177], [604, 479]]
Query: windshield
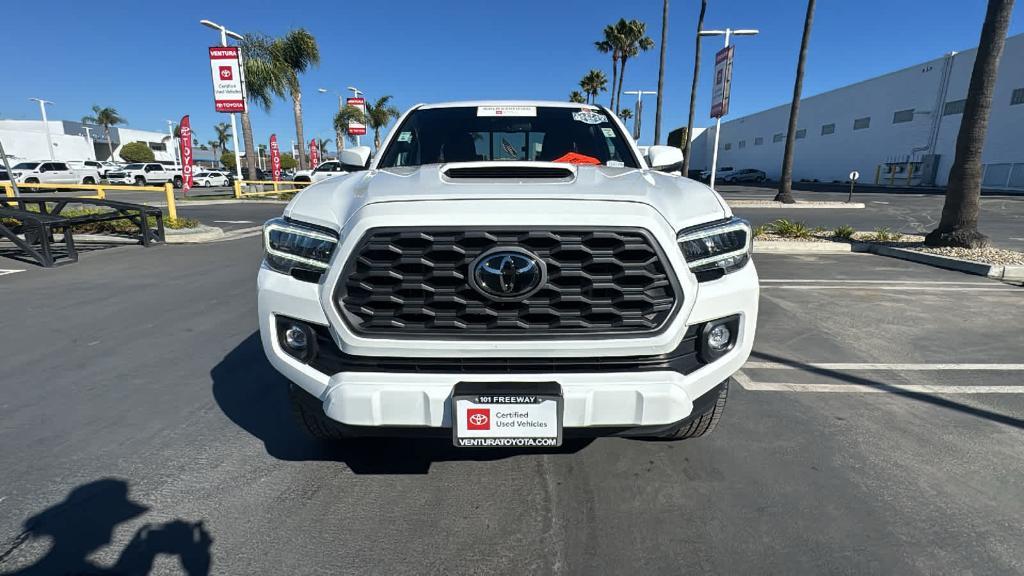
[[26, 166], [508, 132], [135, 167]]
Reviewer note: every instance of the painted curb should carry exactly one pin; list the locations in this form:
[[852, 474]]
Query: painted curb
[[786, 247], [968, 266], [193, 235], [799, 205]]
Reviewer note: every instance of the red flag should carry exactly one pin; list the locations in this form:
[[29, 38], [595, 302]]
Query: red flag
[[185, 142], [314, 154], [275, 158]]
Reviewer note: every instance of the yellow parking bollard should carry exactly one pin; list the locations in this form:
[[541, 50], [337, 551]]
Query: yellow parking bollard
[[101, 193], [238, 189], [172, 209], [8, 189]]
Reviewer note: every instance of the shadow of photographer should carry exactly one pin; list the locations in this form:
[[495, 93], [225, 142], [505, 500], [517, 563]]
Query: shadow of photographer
[[85, 521]]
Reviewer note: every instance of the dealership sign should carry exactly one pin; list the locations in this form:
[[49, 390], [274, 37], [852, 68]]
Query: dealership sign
[[356, 128], [275, 158], [185, 141], [227, 79], [314, 154], [723, 82]]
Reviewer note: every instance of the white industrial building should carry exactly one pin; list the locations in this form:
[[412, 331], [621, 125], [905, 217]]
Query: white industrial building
[[898, 129]]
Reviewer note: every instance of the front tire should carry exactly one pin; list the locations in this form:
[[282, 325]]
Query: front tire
[[700, 423], [89, 180], [309, 413], [178, 182], [140, 181]]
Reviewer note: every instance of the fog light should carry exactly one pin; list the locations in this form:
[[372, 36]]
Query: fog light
[[718, 338], [295, 338]]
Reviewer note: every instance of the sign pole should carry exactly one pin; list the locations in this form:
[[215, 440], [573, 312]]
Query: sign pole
[[718, 128], [853, 179]]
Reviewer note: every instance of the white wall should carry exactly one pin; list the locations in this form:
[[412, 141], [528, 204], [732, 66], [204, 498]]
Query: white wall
[[832, 157], [128, 135], [26, 140]]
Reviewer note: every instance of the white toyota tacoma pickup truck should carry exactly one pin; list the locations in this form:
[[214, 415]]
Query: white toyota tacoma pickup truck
[[506, 273], [145, 174]]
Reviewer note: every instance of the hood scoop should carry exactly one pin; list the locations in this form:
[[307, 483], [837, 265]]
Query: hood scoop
[[509, 171]]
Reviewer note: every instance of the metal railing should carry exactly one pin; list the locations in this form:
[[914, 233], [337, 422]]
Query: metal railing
[[99, 189], [276, 187]]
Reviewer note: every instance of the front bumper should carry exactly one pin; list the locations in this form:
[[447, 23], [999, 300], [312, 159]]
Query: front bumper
[[597, 399]]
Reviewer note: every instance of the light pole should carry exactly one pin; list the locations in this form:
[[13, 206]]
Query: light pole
[[341, 106], [638, 110], [46, 125], [224, 33], [174, 149], [728, 32], [355, 94]]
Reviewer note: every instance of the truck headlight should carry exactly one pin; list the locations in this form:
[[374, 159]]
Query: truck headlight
[[291, 246], [715, 249]]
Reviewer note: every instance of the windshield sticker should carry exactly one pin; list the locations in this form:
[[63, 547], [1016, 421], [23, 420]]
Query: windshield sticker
[[506, 110], [615, 164], [576, 158], [589, 117], [608, 132], [405, 137]]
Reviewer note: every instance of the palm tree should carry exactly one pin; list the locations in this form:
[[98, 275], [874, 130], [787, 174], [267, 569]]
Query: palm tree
[[785, 194], [634, 40], [223, 134], [321, 145], [215, 146], [693, 90], [625, 114], [378, 115], [297, 51], [661, 72], [593, 83], [611, 44], [105, 118], [264, 81], [577, 97], [958, 226], [344, 117]]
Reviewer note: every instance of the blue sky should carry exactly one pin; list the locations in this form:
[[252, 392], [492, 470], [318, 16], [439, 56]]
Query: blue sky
[[148, 59]]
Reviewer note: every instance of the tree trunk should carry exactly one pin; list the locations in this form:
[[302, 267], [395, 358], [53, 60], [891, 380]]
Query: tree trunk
[[251, 157], [110, 144], [622, 76], [297, 109], [340, 140], [615, 74], [376, 140], [661, 73], [958, 226], [693, 91], [785, 194]]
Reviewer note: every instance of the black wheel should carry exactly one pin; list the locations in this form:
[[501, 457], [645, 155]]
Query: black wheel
[[88, 180], [309, 413], [760, 179], [140, 181], [302, 179], [32, 181], [703, 421], [207, 184], [178, 182]]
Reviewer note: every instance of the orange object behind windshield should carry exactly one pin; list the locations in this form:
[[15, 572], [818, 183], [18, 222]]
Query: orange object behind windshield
[[575, 158]]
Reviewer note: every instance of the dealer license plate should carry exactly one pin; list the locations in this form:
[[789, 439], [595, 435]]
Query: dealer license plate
[[503, 415]]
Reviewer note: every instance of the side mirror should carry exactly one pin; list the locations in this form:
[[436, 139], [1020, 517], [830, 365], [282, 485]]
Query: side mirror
[[355, 159], [665, 158]]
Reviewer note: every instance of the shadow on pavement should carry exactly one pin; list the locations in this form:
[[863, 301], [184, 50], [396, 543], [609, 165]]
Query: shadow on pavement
[[84, 522], [920, 396], [255, 396]]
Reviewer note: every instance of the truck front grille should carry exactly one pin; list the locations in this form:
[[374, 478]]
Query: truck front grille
[[403, 281]]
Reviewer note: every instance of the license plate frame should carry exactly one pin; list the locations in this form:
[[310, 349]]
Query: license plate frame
[[534, 399]]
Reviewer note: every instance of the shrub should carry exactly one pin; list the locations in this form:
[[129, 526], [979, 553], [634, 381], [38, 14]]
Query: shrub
[[227, 159], [759, 231], [884, 234], [789, 229], [288, 162], [136, 152], [845, 232]]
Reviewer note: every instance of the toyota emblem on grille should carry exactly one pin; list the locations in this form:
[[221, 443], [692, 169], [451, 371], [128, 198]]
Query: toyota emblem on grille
[[507, 274]]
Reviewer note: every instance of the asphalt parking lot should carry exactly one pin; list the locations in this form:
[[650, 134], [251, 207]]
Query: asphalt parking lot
[[1001, 217], [878, 428]]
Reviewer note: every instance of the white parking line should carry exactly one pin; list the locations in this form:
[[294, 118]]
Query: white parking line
[[876, 366], [6, 272], [748, 384], [903, 288], [853, 281]]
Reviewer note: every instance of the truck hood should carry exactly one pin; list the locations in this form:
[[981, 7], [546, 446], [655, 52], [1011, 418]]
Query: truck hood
[[682, 202]]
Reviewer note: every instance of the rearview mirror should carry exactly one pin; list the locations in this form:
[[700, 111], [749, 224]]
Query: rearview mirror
[[665, 158], [355, 159]]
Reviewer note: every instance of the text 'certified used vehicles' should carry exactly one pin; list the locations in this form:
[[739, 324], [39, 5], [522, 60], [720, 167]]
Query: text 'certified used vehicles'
[[508, 273]]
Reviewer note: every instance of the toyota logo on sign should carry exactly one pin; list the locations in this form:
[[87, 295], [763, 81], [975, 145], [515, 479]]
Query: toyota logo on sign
[[225, 72], [478, 419]]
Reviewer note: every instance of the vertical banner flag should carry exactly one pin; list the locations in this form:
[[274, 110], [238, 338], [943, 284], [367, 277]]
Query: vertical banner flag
[[275, 158], [356, 128], [185, 142], [723, 82], [227, 79], [314, 154]]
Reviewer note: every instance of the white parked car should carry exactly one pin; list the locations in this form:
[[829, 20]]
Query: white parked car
[[325, 170], [52, 172], [145, 174], [208, 179], [508, 272]]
